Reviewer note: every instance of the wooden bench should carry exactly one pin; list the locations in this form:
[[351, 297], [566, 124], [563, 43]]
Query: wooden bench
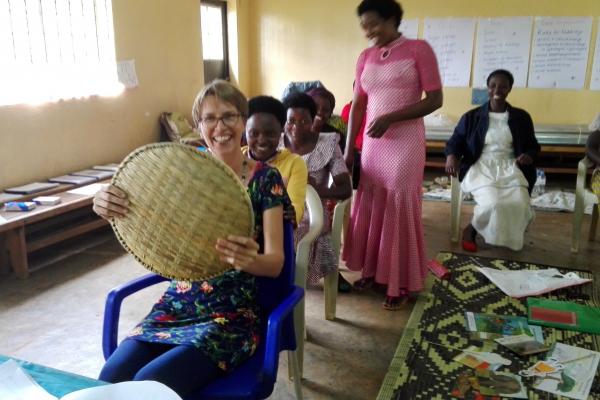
[[22, 233]]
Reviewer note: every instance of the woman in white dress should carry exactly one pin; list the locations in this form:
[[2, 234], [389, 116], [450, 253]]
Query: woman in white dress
[[495, 146]]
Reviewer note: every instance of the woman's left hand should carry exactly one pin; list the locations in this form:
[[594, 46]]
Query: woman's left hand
[[239, 251], [524, 159], [378, 126]]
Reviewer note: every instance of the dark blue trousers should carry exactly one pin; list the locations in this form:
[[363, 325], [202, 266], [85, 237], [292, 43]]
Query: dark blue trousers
[[182, 368]]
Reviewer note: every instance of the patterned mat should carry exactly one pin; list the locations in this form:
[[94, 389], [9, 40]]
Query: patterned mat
[[420, 370]]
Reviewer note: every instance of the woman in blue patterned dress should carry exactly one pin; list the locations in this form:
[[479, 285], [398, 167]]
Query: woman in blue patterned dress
[[200, 330]]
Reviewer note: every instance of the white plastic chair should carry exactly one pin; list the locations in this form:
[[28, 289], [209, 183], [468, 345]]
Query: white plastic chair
[[314, 208], [583, 198], [331, 279], [455, 203]]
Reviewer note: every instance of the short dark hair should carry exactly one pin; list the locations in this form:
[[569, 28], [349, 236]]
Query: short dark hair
[[385, 8], [267, 105], [301, 100], [224, 91], [322, 92], [504, 72]]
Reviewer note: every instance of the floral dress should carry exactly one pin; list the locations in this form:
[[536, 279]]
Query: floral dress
[[219, 316]]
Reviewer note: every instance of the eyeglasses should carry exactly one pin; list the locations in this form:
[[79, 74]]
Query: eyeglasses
[[292, 122], [229, 120]]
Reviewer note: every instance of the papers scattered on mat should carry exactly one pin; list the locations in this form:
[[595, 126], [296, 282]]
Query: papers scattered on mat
[[575, 380], [558, 201], [485, 384], [531, 282], [490, 326], [16, 384], [88, 190]]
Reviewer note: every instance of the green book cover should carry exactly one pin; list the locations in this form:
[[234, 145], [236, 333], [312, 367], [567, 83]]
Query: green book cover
[[564, 315]]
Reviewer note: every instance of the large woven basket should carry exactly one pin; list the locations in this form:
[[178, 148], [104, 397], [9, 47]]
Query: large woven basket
[[181, 201]]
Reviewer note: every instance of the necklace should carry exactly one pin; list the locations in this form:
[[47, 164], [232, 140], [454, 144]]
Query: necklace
[[244, 170], [385, 52]]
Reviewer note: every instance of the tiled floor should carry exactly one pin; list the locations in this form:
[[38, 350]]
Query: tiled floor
[[55, 316]]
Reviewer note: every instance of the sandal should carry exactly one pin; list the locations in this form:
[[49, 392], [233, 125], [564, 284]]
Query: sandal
[[363, 284], [468, 239], [469, 246], [393, 303], [343, 285]]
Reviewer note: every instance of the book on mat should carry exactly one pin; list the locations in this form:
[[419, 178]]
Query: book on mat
[[523, 345], [95, 173], [490, 326], [74, 180], [564, 315], [31, 188]]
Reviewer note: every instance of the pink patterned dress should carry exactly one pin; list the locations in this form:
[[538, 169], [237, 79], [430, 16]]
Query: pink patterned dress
[[385, 233]]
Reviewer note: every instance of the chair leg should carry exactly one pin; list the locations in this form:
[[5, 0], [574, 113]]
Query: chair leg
[[594, 224], [297, 377], [577, 218], [455, 203], [300, 338], [330, 287]]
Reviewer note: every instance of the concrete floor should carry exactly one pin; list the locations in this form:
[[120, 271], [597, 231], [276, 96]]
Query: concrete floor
[[55, 317]]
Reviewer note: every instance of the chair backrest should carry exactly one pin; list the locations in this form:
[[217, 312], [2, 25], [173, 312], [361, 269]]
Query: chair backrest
[[272, 290], [314, 208]]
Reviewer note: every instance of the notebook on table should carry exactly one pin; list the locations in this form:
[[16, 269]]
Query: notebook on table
[[31, 188], [6, 197], [107, 167], [94, 173], [73, 179]]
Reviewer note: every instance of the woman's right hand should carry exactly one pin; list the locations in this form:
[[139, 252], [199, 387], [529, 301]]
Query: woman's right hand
[[111, 202], [451, 165], [349, 158]]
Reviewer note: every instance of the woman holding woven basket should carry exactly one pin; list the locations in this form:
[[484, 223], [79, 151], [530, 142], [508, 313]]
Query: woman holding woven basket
[[199, 330]]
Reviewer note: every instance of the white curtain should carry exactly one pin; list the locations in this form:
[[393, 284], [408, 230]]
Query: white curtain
[[56, 49]]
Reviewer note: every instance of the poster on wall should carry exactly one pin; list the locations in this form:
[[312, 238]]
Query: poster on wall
[[595, 81], [452, 42], [560, 52], [409, 28], [502, 43]]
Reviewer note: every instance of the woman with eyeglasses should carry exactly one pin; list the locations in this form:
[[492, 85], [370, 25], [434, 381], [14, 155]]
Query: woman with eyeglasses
[[323, 159], [397, 84], [200, 330]]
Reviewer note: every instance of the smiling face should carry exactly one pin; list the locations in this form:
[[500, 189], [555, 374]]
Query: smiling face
[[298, 125], [223, 137], [324, 111], [379, 31], [498, 90], [263, 132]]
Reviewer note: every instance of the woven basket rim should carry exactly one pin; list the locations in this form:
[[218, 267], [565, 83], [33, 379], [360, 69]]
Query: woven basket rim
[[149, 262]]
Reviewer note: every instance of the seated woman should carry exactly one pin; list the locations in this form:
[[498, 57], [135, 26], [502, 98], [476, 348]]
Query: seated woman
[[592, 151], [199, 330], [325, 101], [263, 133], [323, 158], [495, 145]]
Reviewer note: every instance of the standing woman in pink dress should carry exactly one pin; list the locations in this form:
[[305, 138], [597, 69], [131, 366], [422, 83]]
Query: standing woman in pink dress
[[385, 233]]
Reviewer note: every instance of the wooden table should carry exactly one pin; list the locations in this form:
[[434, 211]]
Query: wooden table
[[25, 232]]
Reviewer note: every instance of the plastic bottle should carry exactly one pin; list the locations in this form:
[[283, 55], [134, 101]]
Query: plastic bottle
[[540, 183]]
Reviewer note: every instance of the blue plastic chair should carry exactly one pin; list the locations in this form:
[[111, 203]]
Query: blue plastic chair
[[255, 379]]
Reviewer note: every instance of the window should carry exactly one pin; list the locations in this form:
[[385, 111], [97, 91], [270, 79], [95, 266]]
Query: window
[[56, 49], [213, 21]]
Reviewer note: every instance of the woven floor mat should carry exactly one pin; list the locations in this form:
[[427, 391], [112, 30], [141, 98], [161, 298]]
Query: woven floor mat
[[420, 370]]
